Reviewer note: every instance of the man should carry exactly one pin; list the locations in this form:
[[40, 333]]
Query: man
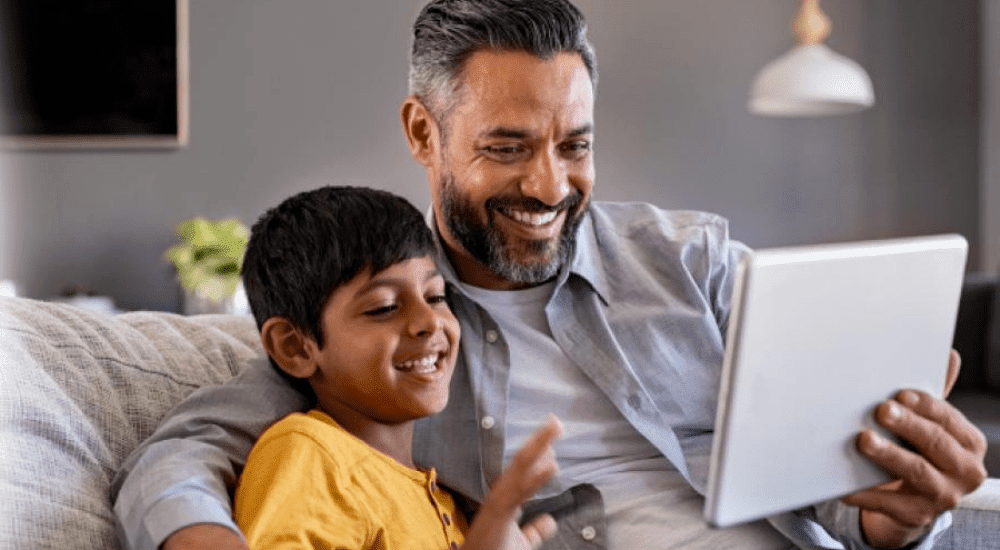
[[612, 316]]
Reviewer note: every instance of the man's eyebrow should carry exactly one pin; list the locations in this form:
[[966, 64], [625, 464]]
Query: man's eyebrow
[[513, 133], [505, 132]]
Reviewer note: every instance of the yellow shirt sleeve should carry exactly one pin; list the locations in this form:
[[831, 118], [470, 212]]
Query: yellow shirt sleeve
[[290, 497]]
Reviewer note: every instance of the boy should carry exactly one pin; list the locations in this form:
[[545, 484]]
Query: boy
[[346, 295]]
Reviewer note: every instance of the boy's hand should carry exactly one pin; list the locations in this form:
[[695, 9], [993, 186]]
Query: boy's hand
[[495, 525]]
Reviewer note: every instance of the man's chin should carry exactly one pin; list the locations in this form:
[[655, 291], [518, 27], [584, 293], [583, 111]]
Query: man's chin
[[527, 268]]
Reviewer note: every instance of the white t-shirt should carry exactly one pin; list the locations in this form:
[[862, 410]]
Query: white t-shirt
[[648, 502]]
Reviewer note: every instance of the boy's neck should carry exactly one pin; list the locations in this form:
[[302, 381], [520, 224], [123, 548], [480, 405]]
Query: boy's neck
[[392, 440]]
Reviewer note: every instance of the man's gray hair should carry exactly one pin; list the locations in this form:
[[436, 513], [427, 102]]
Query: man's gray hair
[[447, 32]]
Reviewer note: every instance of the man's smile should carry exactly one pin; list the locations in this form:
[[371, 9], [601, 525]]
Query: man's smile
[[533, 226]]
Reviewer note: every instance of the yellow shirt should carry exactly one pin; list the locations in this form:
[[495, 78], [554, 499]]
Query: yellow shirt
[[310, 484]]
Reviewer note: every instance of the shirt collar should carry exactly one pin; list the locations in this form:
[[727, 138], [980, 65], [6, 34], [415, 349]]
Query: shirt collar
[[585, 262]]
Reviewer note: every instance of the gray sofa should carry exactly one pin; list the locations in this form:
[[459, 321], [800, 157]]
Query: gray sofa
[[79, 390], [977, 339]]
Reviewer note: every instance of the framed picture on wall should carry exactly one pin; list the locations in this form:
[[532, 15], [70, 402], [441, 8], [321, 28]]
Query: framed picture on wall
[[94, 73]]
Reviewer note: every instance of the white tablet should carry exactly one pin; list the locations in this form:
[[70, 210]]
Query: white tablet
[[818, 336]]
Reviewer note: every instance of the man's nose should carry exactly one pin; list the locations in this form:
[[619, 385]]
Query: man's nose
[[546, 180]]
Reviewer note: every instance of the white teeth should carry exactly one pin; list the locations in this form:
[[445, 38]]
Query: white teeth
[[533, 218], [420, 366]]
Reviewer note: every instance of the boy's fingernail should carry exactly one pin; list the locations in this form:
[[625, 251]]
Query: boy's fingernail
[[892, 411]]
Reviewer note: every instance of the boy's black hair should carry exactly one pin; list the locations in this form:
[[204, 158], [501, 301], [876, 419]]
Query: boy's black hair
[[314, 242]]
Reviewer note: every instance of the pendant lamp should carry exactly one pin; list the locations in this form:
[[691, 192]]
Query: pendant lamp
[[811, 79]]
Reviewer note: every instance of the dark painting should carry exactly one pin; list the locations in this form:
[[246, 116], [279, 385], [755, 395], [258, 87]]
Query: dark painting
[[91, 68]]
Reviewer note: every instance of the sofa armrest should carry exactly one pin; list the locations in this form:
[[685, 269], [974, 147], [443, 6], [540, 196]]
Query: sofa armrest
[[976, 521]]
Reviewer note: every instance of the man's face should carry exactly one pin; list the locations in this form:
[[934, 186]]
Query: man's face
[[516, 167]]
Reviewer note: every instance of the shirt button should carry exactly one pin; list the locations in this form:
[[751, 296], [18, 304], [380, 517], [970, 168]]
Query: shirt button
[[491, 336], [633, 401], [588, 533], [487, 422]]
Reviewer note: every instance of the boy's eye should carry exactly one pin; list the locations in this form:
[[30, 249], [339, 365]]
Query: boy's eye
[[381, 310]]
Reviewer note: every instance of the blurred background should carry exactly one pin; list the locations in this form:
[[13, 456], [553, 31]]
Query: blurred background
[[286, 96]]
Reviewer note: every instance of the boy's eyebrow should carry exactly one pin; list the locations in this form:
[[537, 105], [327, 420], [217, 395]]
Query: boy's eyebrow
[[377, 283]]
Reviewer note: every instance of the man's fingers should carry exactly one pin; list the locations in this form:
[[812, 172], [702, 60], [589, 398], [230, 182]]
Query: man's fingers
[[539, 529], [952, 448], [909, 510], [932, 440], [916, 472], [937, 411], [954, 366]]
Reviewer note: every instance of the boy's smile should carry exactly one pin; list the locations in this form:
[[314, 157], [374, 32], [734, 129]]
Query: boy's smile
[[389, 346]]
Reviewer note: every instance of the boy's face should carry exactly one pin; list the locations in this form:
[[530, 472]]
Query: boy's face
[[390, 343]]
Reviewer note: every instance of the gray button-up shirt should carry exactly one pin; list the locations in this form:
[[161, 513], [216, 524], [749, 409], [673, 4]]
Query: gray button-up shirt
[[642, 309]]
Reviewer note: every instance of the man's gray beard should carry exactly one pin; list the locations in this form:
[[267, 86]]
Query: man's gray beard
[[488, 245]]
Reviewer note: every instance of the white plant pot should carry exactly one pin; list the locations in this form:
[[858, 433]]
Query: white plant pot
[[197, 303]]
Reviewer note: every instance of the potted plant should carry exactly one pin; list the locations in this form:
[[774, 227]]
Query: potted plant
[[208, 261]]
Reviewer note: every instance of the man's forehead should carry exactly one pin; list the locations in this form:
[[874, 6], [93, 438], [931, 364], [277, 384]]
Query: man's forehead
[[508, 91]]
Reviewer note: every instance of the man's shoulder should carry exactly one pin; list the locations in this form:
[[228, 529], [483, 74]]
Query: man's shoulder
[[645, 221]]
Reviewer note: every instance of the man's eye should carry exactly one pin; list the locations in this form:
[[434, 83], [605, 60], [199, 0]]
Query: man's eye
[[381, 310], [505, 152], [577, 148]]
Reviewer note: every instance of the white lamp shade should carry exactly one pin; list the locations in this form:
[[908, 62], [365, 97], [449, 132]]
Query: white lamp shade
[[811, 80]]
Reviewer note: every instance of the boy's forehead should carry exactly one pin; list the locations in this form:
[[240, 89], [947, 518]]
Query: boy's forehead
[[419, 269]]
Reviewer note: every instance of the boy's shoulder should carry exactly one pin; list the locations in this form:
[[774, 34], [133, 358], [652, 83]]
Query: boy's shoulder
[[319, 432]]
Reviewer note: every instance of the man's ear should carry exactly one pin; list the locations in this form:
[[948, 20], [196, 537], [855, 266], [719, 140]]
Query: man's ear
[[288, 347], [422, 133]]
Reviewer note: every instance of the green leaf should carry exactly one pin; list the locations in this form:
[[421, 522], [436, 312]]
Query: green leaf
[[209, 257]]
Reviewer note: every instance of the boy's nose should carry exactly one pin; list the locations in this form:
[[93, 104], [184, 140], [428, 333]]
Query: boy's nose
[[425, 321]]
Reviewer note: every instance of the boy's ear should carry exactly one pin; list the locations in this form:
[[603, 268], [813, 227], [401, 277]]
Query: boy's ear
[[422, 132], [288, 347]]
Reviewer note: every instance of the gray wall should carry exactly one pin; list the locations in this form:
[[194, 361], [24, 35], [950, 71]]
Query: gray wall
[[990, 184], [289, 95]]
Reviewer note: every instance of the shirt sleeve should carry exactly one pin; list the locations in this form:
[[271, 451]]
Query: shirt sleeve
[[835, 525], [291, 498], [724, 280], [186, 471]]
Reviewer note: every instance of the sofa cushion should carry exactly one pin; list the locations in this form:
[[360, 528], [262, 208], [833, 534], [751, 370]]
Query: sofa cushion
[[78, 391]]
